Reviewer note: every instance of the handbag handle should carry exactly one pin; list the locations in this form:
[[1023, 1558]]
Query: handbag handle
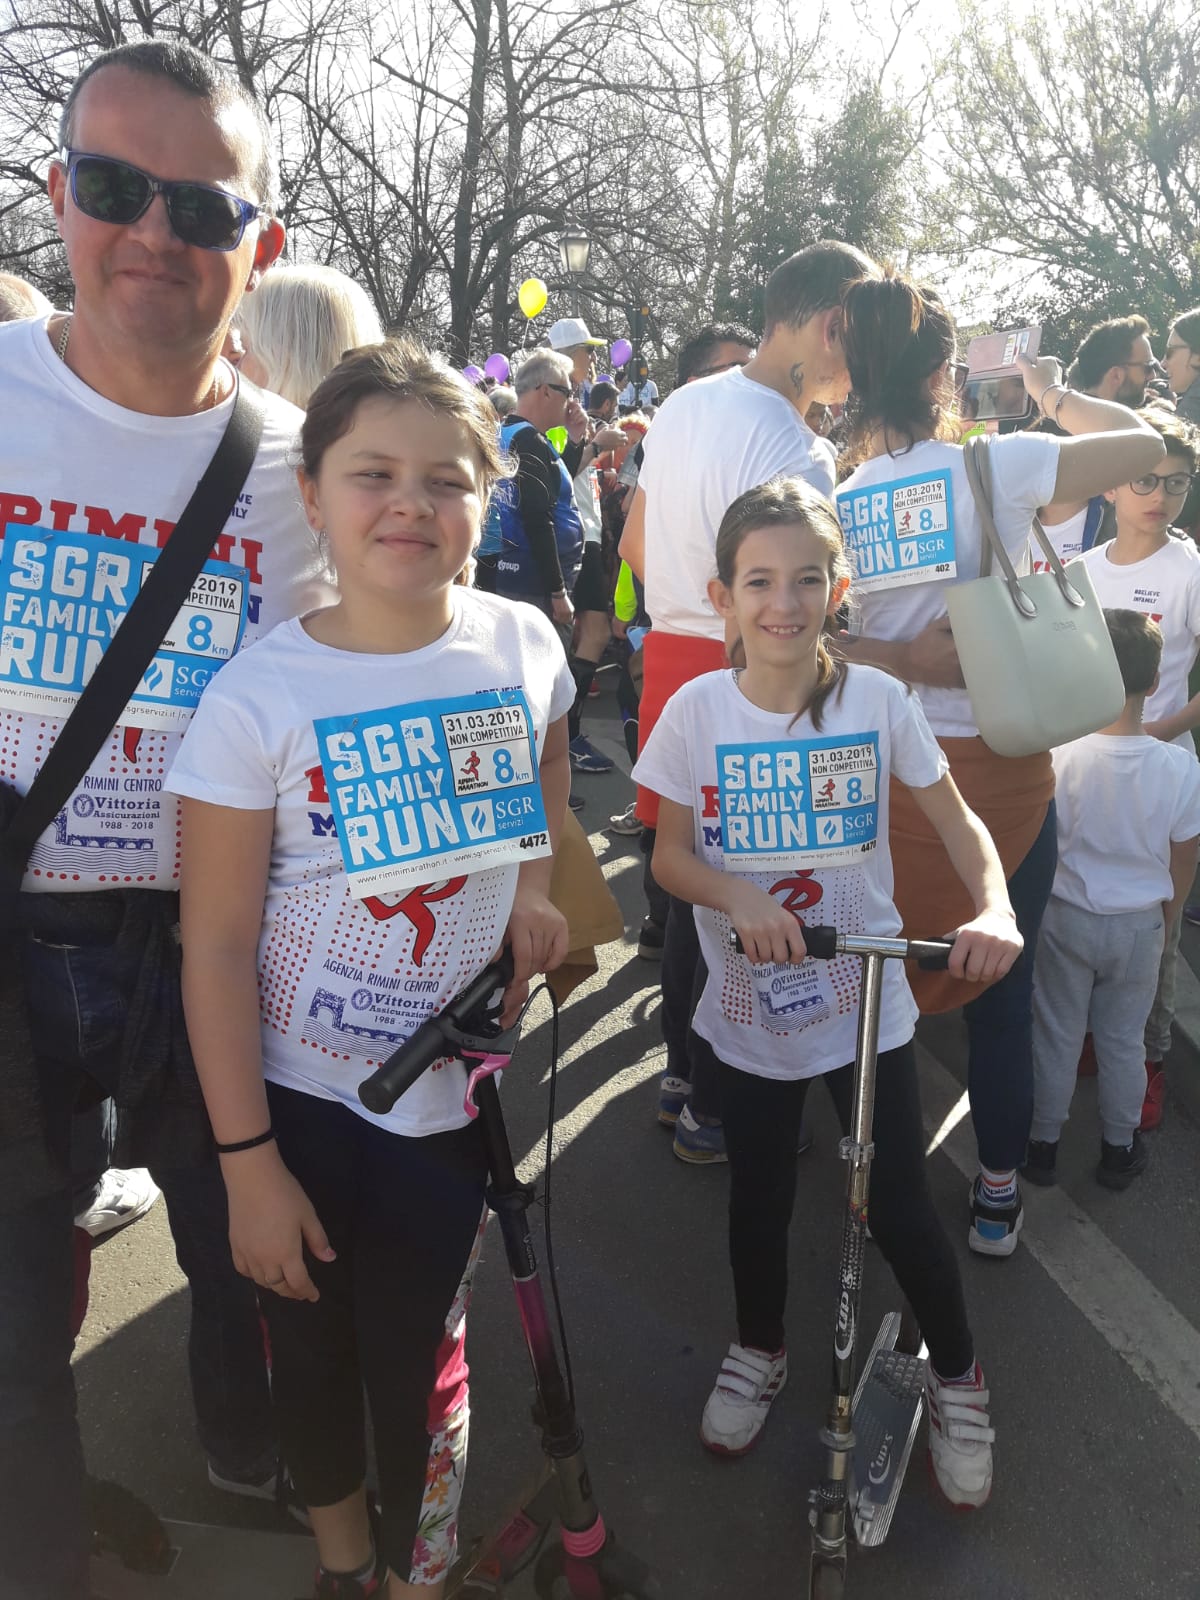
[[141, 632], [977, 461]]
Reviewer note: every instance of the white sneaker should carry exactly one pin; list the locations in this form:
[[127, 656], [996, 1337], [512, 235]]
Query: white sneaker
[[737, 1408], [960, 1439], [124, 1196]]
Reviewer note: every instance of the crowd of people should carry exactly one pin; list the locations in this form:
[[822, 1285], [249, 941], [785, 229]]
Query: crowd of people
[[263, 877]]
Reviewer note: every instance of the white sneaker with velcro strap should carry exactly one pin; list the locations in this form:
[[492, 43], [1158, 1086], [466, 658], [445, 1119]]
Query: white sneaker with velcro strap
[[960, 1439], [737, 1408]]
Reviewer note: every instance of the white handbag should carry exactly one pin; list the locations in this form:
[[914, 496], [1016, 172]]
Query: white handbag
[[1035, 653]]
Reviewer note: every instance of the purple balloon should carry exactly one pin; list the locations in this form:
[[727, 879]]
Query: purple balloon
[[605, 377], [496, 366], [621, 352], [472, 373]]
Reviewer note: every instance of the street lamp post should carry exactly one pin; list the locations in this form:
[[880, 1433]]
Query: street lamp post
[[574, 249]]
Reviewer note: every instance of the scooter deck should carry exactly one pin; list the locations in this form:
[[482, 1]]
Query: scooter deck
[[888, 1404], [484, 1569]]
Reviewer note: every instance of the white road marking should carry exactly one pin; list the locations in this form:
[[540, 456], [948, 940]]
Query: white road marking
[[1121, 1303]]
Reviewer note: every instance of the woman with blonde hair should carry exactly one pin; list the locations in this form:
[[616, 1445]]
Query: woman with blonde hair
[[298, 324]]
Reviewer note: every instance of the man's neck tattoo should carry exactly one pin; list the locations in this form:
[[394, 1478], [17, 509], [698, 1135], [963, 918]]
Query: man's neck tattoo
[[796, 374]]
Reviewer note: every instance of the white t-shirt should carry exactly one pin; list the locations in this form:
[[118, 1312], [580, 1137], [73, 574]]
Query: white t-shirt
[[1122, 802], [1066, 540], [587, 503], [752, 777], [713, 440], [928, 485], [73, 462], [344, 981], [1166, 587], [644, 394]]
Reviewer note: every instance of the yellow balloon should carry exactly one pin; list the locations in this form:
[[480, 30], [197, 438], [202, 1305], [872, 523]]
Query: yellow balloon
[[532, 297]]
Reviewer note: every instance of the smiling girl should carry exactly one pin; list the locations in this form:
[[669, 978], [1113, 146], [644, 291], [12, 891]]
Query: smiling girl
[[332, 746], [774, 781]]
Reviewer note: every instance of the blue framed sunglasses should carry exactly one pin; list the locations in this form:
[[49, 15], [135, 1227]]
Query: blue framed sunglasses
[[114, 191]]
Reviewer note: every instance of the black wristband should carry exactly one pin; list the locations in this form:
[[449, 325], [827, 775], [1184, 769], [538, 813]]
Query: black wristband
[[246, 1144]]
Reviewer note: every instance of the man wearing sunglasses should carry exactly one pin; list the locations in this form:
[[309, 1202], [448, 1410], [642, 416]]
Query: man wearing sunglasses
[[163, 193], [1116, 362]]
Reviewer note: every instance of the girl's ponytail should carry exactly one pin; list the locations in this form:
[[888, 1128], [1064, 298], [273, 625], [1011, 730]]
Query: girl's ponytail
[[896, 334]]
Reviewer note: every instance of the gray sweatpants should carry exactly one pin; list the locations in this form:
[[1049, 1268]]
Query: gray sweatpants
[[1097, 972]]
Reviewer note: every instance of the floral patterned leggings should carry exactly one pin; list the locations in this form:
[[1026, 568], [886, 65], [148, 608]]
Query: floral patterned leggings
[[405, 1216]]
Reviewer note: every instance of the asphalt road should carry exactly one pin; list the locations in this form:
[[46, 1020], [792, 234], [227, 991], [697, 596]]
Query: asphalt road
[[1090, 1337]]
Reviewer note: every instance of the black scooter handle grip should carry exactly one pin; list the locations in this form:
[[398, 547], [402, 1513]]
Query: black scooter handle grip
[[820, 942], [432, 1040], [939, 961]]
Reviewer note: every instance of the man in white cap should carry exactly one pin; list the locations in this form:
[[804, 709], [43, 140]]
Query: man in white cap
[[570, 337]]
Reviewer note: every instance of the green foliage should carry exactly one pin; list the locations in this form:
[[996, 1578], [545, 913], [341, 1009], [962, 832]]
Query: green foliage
[[1078, 152], [854, 177]]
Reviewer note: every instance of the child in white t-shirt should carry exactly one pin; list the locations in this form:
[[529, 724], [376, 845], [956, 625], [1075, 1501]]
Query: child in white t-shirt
[[1128, 827], [358, 788], [774, 785], [1146, 568]]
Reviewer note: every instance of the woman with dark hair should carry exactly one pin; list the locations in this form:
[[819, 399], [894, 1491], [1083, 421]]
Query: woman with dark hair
[[912, 527], [1181, 358]]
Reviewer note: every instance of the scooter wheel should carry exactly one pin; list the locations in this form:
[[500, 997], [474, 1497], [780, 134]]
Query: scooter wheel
[[827, 1583]]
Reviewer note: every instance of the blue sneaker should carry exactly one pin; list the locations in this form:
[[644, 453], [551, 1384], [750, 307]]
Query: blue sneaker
[[699, 1143], [994, 1229], [672, 1097], [586, 758]]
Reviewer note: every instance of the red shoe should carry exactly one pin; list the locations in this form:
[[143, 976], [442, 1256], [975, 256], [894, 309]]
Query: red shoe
[[1156, 1090], [1087, 1058]]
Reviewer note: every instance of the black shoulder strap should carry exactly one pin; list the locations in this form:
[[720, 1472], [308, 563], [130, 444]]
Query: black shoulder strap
[[139, 636]]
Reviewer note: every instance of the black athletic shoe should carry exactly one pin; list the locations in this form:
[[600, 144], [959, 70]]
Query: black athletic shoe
[[651, 940], [1119, 1165], [1041, 1162]]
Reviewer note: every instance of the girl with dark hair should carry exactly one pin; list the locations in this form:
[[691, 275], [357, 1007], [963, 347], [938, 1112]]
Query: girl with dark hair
[[913, 530], [773, 785]]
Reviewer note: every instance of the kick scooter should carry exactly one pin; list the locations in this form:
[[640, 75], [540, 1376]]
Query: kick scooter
[[587, 1563], [869, 1430]]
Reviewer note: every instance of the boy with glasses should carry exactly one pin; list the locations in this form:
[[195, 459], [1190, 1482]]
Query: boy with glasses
[[1148, 569]]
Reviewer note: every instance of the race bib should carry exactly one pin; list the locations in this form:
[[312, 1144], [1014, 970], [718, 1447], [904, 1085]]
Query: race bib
[[792, 997], [900, 533], [433, 788], [64, 597], [800, 803]]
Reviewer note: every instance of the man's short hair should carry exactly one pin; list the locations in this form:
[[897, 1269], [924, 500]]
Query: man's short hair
[[1137, 643], [602, 394], [811, 281], [197, 75], [19, 299], [697, 352], [543, 366], [1106, 345]]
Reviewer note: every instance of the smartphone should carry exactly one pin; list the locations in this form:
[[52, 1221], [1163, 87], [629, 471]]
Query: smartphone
[[993, 390]]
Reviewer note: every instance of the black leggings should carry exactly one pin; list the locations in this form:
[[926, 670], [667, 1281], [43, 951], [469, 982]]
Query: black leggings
[[762, 1127], [402, 1215]]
